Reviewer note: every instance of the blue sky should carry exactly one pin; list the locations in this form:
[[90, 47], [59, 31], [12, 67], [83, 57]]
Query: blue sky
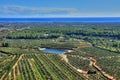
[[59, 8]]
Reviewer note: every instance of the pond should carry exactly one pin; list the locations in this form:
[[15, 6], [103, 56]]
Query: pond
[[58, 51]]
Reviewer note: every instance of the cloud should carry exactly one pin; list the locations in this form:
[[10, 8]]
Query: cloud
[[22, 11]]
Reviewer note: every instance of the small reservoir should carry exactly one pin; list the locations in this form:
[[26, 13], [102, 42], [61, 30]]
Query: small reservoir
[[58, 51]]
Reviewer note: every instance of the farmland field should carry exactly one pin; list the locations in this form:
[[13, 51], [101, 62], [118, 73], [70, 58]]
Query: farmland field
[[91, 51]]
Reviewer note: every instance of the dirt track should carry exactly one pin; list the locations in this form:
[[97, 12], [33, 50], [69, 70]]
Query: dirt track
[[93, 63], [103, 72], [66, 60], [16, 65]]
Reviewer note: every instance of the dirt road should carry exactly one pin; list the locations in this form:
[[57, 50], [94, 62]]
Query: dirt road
[[99, 69]]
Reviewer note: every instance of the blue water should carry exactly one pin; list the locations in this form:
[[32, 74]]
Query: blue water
[[53, 51], [86, 19]]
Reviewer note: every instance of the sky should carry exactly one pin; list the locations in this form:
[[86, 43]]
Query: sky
[[59, 8]]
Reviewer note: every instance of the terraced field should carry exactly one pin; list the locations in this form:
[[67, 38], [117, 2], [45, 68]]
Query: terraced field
[[92, 51], [43, 67], [6, 63], [49, 66], [79, 62], [112, 65]]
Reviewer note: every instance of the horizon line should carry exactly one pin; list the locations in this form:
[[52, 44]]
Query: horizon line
[[62, 19]]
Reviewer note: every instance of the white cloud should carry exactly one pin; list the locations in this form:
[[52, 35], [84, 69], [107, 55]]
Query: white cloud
[[22, 11]]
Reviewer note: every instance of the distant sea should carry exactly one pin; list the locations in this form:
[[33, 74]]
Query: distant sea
[[89, 19]]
